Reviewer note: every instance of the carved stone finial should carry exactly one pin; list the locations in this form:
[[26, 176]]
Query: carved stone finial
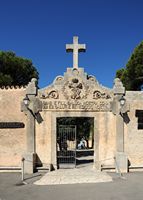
[[32, 87], [118, 88], [117, 82], [34, 80]]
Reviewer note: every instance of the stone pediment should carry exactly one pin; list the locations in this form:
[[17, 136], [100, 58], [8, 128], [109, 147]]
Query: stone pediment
[[76, 85], [75, 88]]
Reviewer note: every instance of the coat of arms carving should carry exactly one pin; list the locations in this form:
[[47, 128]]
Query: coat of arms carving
[[75, 89]]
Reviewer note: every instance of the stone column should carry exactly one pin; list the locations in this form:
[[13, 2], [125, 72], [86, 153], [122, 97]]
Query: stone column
[[97, 163], [30, 154], [119, 133], [121, 160], [30, 132]]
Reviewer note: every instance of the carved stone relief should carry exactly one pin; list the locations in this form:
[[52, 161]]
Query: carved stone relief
[[76, 105], [58, 79], [75, 89], [99, 95], [53, 94], [92, 78]]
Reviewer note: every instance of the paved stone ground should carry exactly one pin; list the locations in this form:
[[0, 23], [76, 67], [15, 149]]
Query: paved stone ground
[[130, 188], [73, 176]]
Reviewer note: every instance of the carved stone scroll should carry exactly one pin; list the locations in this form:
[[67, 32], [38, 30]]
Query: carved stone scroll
[[99, 95], [51, 95]]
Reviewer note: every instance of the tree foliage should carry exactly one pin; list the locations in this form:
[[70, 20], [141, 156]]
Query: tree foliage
[[132, 74], [15, 70]]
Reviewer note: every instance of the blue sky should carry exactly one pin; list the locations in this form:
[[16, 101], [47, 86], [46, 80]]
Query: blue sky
[[39, 30]]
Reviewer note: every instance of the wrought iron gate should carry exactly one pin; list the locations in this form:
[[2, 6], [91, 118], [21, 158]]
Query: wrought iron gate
[[66, 146]]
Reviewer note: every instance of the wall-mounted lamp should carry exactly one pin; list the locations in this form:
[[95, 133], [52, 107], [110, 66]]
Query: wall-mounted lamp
[[26, 100], [122, 101]]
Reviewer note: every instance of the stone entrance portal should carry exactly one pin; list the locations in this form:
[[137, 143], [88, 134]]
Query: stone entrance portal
[[78, 96], [75, 141]]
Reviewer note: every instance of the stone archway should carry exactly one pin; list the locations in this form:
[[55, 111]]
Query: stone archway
[[56, 115], [74, 95]]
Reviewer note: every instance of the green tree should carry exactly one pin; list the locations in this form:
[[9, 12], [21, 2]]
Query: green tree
[[132, 74], [85, 126], [15, 70]]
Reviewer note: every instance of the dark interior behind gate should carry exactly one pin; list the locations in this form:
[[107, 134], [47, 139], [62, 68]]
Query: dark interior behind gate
[[75, 141]]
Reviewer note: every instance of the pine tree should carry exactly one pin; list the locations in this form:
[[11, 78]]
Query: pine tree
[[15, 70], [132, 74]]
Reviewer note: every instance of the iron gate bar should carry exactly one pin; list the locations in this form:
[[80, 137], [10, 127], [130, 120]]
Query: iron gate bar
[[66, 154]]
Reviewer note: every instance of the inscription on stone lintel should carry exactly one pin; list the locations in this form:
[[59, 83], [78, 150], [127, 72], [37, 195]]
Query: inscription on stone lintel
[[12, 125], [77, 105]]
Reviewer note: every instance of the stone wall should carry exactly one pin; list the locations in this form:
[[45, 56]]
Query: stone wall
[[12, 140], [104, 136], [133, 136], [43, 139], [107, 138]]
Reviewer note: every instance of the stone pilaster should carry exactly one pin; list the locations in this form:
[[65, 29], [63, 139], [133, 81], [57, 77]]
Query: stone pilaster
[[121, 160], [30, 154]]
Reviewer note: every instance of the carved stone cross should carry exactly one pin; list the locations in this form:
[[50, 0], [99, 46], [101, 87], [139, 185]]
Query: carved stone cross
[[75, 48]]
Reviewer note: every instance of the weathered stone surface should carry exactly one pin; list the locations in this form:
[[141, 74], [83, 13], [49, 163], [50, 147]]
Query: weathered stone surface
[[29, 162], [76, 91], [32, 87], [133, 137], [75, 48], [118, 87], [35, 105], [121, 162], [74, 176], [12, 140], [115, 107]]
